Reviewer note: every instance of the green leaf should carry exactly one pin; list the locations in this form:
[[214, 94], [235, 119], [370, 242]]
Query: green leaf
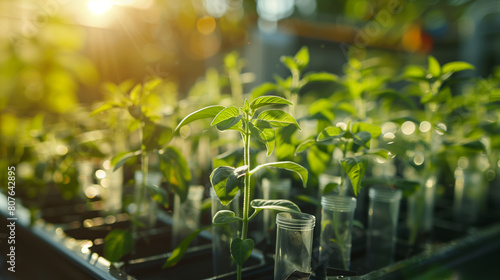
[[374, 130], [104, 107], [155, 135], [475, 146], [415, 72], [318, 159], [207, 112], [246, 106], [378, 152], [225, 114], [118, 160], [277, 205], [225, 217], [241, 250], [434, 67], [302, 58], [347, 107], [231, 60], [268, 100], [456, 66], [117, 243], [264, 132], [152, 84], [355, 168], [330, 133], [229, 158], [226, 182], [319, 77], [135, 110], [180, 250], [362, 138], [135, 94], [289, 63], [309, 199], [278, 118], [390, 94], [330, 187], [323, 107], [287, 165], [174, 167], [304, 146], [408, 187], [262, 89], [158, 194], [284, 140], [443, 95], [227, 118]]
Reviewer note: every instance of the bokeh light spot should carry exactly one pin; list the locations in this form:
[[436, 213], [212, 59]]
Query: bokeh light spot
[[100, 174], [206, 25], [424, 126], [408, 127], [463, 162], [99, 7], [418, 159]]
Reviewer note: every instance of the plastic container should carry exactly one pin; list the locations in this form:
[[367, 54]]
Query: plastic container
[[223, 235], [187, 214], [143, 207], [273, 189], [471, 188], [293, 244], [336, 229], [382, 224]]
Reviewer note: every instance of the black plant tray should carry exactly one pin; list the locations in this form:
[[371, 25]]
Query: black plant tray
[[73, 234]]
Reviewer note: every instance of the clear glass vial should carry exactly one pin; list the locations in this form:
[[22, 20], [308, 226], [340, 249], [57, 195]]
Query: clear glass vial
[[336, 229], [223, 235], [382, 224], [293, 244]]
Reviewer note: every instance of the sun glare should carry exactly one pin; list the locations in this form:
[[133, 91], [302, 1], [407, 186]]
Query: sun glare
[[99, 7]]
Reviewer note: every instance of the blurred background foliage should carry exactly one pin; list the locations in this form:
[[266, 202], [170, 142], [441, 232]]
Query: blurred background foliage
[[58, 57]]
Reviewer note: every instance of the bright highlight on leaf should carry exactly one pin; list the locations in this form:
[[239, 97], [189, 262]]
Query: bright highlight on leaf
[[225, 217], [287, 165], [207, 112], [277, 205], [268, 100]]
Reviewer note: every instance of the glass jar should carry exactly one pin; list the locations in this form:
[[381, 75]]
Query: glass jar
[[336, 229], [293, 244], [382, 224]]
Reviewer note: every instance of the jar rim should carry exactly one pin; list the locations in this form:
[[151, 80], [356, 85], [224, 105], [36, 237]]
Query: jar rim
[[384, 194], [295, 221], [338, 203]]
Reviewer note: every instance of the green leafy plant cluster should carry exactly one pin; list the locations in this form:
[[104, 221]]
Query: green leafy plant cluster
[[154, 137]]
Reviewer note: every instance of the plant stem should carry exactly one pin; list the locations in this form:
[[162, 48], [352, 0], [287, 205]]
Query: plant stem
[[294, 93], [340, 239], [142, 189], [246, 188], [343, 175], [236, 88]]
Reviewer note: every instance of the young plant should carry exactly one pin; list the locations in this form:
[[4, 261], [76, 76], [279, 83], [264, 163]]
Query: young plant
[[354, 143], [290, 88], [153, 138], [252, 123]]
